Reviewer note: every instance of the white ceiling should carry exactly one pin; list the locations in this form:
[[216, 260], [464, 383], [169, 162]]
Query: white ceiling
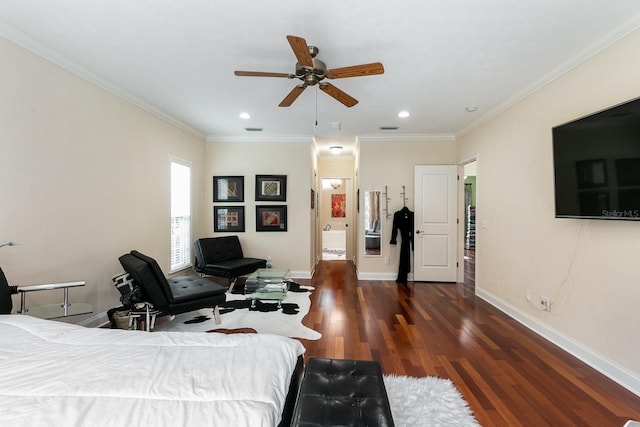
[[176, 58]]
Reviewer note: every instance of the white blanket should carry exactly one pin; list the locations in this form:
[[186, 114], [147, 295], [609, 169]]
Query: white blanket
[[58, 374]]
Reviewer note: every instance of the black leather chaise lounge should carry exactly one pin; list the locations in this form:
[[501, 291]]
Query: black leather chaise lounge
[[223, 257], [176, 295], [6, 305]]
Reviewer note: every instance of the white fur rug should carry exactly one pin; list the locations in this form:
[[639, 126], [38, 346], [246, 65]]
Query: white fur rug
[[275, 322], [428, 401]]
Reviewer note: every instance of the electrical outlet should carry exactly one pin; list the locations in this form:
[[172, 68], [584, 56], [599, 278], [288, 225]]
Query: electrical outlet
[[386, 260], [545, 303], [527, 295]]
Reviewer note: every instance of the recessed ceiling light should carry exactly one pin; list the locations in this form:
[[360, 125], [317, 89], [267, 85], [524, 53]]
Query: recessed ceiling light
[[403, 114], [336, 149], [245, 116]]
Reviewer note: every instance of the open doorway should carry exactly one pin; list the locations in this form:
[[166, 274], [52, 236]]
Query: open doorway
[[469, 244], [334, 218]]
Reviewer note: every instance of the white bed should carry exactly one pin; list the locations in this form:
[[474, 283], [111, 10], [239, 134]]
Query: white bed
[[58, 374]]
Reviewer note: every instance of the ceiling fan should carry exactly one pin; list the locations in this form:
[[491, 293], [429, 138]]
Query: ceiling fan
[[312, 71]]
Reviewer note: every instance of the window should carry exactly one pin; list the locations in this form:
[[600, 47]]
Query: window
[[180, 214]]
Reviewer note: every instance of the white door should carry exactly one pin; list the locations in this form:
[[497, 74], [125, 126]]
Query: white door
[[435, 223]]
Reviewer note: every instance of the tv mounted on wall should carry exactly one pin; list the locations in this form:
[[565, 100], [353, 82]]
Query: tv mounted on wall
[[596, 163]]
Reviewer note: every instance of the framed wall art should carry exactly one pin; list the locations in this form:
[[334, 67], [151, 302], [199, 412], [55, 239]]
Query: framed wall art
[[271, 218], [338, 205], [228, 188], [271, 188], [228, 218]]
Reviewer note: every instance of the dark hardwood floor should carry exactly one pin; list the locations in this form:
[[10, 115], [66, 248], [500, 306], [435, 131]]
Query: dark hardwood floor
[[509, 375]]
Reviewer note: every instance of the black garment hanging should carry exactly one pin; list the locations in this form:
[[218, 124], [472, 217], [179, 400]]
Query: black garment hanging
[[403, 222]]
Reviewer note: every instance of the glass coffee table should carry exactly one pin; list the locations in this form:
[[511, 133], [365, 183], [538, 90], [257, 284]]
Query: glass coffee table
[[267, 284]]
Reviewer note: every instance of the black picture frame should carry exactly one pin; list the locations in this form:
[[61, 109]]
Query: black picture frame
[[271, 188], [228, 219], [228, 188], [271, 217]]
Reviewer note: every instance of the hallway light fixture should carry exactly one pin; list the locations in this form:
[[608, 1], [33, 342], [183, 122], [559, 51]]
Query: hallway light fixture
[[336, 149]]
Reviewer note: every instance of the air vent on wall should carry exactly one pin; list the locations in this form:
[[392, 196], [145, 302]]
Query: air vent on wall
[[388, 127], [253, 129]]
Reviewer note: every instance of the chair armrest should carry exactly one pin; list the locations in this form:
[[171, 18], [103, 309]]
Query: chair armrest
[[49, 286]]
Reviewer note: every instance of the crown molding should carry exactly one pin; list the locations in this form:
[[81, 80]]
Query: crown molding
[[244, 139], [61, 61], [589, 52], [407, 138]]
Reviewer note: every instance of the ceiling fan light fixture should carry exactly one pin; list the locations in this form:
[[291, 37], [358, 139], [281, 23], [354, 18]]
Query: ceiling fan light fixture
[[336, 149], [312, 71]]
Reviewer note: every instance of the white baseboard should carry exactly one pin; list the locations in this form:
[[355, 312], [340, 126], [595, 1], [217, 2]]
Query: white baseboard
[[613, 371], [363, 275], [301, 274]]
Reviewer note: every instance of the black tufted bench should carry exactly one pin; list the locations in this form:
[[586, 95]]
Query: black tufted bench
[[342, 393]]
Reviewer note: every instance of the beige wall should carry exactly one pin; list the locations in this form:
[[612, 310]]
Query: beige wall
[[589, 268], [291, 249], [391, 164], [84, 178]]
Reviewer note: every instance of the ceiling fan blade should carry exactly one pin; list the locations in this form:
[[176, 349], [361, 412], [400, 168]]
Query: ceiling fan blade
[[301, 50], [338, 94], [355, 71], [292, 96], [262, 74]]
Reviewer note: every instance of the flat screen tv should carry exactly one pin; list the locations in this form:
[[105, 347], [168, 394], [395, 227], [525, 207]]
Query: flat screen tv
[[597, 165]]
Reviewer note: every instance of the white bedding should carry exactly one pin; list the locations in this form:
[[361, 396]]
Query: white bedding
[[58, 374]]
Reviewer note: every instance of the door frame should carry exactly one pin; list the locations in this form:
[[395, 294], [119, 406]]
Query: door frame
[[350, 200], [461, 215]]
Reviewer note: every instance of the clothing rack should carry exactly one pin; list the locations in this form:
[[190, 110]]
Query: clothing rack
[[386, 203], [404, 197]]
